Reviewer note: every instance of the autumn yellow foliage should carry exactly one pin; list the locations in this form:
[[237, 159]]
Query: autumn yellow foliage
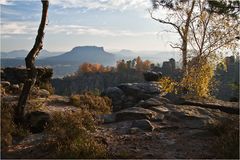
[[168, 85], [93, 68], [197, 83], [198, 80]]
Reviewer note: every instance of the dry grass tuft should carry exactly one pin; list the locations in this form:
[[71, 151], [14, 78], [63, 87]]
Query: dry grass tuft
[[95, 104], [72, 136]]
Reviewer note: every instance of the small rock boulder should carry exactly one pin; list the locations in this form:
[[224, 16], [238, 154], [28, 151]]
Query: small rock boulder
[[174, 98], [152, 76], [15, 88], [116, 95], [141, 91], [155, 101], [37, 121], [134, 113], [143, 124], [160, 109], [5, 83], [43, 93], [134, 130]]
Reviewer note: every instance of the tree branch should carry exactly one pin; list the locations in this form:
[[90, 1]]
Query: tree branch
[[167, 22]]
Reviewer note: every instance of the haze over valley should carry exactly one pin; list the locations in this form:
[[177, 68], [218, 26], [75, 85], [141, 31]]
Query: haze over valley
[[65, 63]]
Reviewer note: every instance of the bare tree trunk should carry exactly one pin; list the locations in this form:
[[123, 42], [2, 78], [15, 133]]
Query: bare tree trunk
[[30, 65], [185, 38], [183, 31], [184, 58]]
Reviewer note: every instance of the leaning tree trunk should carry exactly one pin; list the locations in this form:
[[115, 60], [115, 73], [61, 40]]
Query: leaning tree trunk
[[30, 65]]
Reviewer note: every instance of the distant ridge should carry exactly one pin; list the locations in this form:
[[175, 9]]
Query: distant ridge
[[81, 54], [21, 54]]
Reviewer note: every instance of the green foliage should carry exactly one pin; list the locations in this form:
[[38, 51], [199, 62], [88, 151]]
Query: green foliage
[[72, 136], [91, 102], [226, 144]]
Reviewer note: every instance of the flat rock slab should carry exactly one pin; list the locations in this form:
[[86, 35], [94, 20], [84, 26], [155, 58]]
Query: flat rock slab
[[134, 113], [143, 124], [228, 107], [159, 109], [195, 117], [154, 101], [141, 90]]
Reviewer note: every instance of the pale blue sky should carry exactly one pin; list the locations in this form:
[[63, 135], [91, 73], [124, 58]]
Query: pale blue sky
[[113, 24]]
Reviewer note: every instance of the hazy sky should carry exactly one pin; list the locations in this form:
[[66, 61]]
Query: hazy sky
[[113, 24]]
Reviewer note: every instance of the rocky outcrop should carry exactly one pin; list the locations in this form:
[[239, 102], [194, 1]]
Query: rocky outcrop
[[152, 76], [149, 108], [143, 124], [141, 90], [127, 95], [134, 113], [12, 80], [5, 83], [37, 121], [228, 107], [42, 93], [154, 101], [18, 75], [116, 95]]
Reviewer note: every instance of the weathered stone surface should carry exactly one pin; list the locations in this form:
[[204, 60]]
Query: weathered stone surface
[[37, 120], [194, 117], [134, 130], [108, 118], [159, 109], [155, 101], [15, 88], [128, 95], [114, 93], [117, 97], [152, 76], [228, 107], [149, 103], [43, 93], [143, 124], [141, 91], [174, 98], [134, 113], [5, 83], [158, 117]]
